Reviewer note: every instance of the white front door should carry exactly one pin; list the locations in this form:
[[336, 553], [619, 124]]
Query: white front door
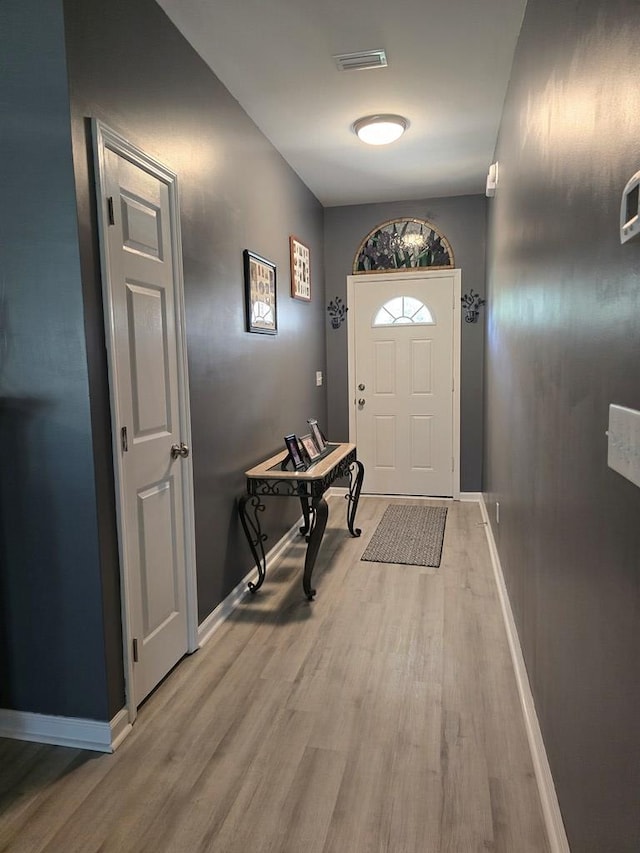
[[143, 310], [403, 335]]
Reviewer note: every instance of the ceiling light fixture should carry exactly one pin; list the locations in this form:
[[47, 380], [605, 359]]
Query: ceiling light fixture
[[380, 129]]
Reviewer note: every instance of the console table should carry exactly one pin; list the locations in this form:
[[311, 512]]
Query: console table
[[271, 479]]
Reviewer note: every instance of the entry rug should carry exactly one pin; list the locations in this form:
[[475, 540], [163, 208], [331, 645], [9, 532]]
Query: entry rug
[[411, 535]]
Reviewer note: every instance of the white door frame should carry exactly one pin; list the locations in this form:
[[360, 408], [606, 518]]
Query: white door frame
[[456, 278], [106, 139]]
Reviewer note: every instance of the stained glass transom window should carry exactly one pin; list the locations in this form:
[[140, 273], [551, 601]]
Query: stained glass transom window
[[403, 310], [403, 244]]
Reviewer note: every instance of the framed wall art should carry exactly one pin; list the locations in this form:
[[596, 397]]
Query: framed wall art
[[300, 270], [260, 294]]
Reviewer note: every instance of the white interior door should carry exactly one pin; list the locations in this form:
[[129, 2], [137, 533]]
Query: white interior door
[[403, 341], [148, 388]]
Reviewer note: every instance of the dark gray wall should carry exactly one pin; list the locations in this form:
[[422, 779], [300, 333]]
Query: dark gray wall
[[562, 343], [51, 627], [463, 222], [129, 67]]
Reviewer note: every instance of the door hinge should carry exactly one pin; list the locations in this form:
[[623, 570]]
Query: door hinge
[[110, 213], [124, 441], [135, 651]]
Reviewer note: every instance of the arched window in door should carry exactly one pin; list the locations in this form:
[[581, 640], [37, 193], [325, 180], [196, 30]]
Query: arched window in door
[[403, 310]]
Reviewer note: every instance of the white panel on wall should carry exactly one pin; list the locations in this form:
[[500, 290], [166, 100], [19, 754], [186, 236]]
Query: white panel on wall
[[384, 355], [421, 438], [158, 560], [421, 367], [385, 441], [147, 347]]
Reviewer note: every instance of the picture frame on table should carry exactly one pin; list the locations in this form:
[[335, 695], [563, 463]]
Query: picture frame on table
[[295, 454], [317, 435], [310, 448], [300, 269], [261, 295]]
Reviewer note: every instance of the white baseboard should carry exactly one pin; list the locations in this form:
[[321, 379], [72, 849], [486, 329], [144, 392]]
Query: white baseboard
[[215, 619], [473, 497], [120, 727], [407, 497], [549, 799], [75, 732]]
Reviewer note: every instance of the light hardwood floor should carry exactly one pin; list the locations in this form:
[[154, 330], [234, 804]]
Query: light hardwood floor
[[383, 716]]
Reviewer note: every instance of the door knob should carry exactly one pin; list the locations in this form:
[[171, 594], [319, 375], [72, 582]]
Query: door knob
[[361, 402], [181, 449]]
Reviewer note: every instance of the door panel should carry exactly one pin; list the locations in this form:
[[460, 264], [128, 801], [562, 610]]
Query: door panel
[[421, 444], [385, 367], [141, 226], [385, 442], [405, 424], [148, 350], [421, 367], [156, 526]]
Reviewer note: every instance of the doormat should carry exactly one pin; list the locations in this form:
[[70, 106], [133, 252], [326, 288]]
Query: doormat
[[411, 535]]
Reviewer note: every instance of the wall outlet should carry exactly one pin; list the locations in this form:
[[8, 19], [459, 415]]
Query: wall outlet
[[318, 378], [497, 512]]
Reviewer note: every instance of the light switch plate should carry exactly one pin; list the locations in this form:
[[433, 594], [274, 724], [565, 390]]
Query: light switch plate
[[624, 442], [318, 377]]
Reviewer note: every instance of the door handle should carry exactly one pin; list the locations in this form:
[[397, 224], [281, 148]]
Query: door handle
[[361, 402], [181, 449]]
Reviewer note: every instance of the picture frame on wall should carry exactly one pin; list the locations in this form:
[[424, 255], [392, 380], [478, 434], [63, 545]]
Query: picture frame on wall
[[300, 269], [261, 294]]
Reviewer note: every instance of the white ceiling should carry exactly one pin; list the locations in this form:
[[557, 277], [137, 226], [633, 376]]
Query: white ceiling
[[449, 65]]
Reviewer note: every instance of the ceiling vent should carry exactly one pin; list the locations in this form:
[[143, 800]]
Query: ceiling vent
[[361, 61]]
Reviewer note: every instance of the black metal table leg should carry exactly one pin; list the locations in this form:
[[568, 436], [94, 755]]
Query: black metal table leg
[[254, 534], [355, 486], [306, 513], [321, 513]]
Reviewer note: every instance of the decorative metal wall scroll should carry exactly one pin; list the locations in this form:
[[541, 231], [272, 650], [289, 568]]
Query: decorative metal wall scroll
[[402, 244], [337, 311], [471, 303]]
